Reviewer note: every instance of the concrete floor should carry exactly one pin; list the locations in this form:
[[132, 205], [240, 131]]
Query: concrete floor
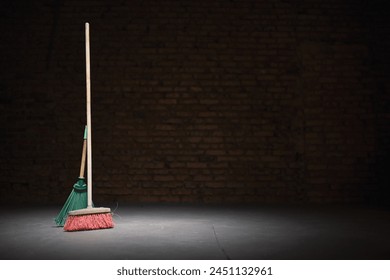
[[202, 232]]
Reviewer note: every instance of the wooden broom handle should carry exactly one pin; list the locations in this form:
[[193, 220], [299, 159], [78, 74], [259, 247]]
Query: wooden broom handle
[[83, 154], [89, 134]]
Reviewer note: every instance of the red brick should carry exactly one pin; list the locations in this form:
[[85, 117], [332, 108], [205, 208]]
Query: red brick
[[270, 101]]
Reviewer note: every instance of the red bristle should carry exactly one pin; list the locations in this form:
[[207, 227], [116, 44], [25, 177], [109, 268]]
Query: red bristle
[[88, 222]]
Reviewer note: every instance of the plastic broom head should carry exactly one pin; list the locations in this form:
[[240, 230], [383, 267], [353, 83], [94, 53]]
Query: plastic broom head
[[76, 200]]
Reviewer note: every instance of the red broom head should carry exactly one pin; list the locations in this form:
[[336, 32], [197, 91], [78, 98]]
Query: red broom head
[[88, 222]]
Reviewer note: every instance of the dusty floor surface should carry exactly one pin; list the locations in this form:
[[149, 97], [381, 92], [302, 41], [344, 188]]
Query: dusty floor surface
[[202, 232]]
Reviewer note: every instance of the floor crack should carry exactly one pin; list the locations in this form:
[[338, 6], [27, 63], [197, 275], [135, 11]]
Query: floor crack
[[220, 246]]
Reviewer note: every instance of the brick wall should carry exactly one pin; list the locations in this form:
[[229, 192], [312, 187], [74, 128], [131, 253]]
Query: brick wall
[[197, 101]]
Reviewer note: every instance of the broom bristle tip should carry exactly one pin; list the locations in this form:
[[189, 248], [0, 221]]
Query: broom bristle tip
[[89, 222]]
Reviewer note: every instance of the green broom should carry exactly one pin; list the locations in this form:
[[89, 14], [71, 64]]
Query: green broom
[[78, 197]]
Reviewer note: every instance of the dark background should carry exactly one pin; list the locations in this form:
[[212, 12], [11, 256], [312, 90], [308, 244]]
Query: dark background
[[197, 101]]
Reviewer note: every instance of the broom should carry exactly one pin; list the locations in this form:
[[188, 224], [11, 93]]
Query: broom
[[78, 197], [90, 217]]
